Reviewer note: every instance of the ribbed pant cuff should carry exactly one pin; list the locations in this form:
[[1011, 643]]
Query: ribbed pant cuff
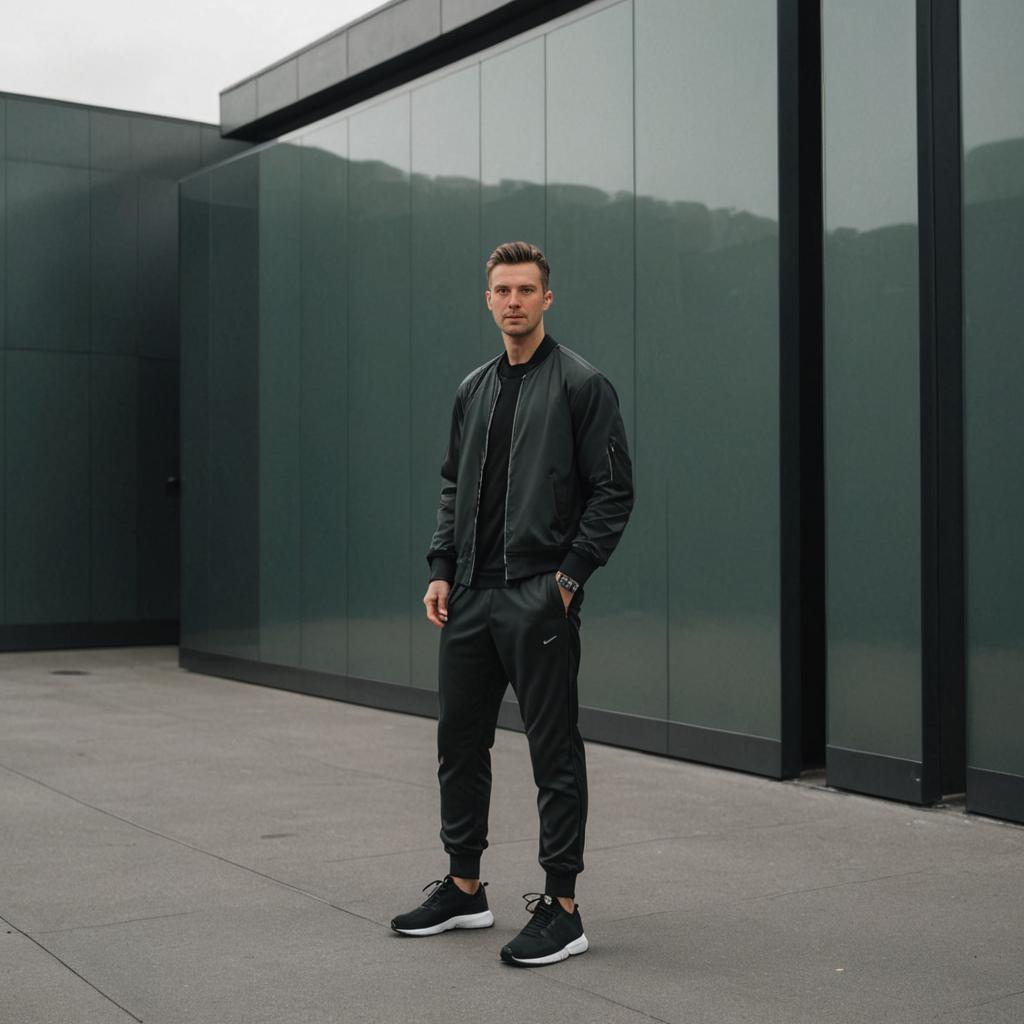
[[462, 866], [560, 885]]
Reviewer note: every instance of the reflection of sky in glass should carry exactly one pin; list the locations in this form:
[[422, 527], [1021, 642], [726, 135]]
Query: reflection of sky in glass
[[869, 73], [512, 121], [381, 133], [706, 102], [993, 81], [331, 138], [590, 101], [445, 126]]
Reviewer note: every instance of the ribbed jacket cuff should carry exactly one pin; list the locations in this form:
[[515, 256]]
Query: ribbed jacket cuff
[[442, 568]]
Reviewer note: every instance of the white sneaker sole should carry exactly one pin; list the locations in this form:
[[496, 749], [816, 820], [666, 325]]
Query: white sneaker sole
[[574, 948], [482, 920]]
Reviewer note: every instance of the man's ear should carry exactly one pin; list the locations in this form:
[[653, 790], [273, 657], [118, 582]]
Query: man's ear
[[549, 298], [487, 298]]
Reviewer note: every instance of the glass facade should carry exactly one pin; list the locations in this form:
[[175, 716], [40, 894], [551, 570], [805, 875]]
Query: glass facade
[[332, 300], [993, 138], [872, 378], [89, 364]]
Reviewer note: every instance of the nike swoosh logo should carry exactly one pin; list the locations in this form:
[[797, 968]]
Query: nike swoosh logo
[[549, 639]]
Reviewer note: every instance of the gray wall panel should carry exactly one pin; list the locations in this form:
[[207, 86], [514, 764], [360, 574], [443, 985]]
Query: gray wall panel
[[323, 64], [391, 31], [158, 502], [113, 446], [277, 87], [114, 252], [158, 269], [48, 482], [88, 250], [56, 133], [455, 13], [47, 256]]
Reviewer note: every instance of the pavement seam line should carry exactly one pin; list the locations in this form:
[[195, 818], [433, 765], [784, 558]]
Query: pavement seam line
[[67, 966], [994, 999], [190, 846], [112, 924], [551, 979]]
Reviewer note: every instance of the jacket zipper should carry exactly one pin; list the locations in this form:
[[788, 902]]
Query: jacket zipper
[[611, 471], [480, 478], [508, 481]]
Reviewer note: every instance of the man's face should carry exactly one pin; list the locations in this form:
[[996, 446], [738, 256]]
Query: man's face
[[516, 299]]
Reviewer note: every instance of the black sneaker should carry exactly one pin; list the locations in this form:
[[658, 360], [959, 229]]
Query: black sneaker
[[552, 934], [445, 908]]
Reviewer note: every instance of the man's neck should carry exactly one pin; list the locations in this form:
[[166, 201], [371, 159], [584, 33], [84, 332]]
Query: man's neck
[[521, 349]]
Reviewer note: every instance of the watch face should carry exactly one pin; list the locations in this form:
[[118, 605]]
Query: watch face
[[567, 583]]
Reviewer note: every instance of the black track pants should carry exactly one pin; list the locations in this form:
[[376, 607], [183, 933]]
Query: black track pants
[[519, 634]]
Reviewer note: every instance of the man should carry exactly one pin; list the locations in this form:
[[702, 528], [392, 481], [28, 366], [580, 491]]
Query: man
[[537, 491]]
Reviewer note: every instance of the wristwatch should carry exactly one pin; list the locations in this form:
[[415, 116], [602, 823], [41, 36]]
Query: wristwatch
[[566, 582]]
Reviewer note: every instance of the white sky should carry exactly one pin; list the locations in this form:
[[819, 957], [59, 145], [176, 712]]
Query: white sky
[[171, 57]]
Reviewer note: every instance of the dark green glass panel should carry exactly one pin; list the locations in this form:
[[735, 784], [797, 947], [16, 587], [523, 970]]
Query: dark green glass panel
[[233, 410], [872, 405], [110, 141], [3, 243], [379, 556], [47, 468], [280, 400], [158, 268], [589, 244], [47, 256], [213, 148], [707, 521], [512, 154], [324, 426], [195, 400], [993, 127], [158, 502], [113, 470], [53, 133], [445, 307], [3, 481], [164, 148], [114, 249]]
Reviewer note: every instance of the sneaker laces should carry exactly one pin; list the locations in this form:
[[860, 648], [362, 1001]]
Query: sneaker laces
[[440, 885], [543, 913]]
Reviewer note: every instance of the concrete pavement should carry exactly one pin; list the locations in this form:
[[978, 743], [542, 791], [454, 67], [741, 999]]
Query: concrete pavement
[[180, 849]]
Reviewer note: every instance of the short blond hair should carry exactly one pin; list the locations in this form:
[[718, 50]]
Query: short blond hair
[[520, 252]]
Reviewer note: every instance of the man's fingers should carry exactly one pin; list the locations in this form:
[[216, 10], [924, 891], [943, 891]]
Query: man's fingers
[[437, 608]]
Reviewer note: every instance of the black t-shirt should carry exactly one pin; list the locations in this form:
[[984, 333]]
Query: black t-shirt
[[490, 542]]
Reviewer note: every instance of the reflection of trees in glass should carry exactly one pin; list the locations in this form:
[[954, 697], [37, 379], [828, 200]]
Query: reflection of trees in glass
[[994, 384], [704, 311], [873, 433]]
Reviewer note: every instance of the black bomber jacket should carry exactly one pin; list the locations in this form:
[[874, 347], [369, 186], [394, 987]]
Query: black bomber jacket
[[570, 479]]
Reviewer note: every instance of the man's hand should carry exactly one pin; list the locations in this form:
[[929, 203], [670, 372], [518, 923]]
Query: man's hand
[[566, 596], [436, 601]]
